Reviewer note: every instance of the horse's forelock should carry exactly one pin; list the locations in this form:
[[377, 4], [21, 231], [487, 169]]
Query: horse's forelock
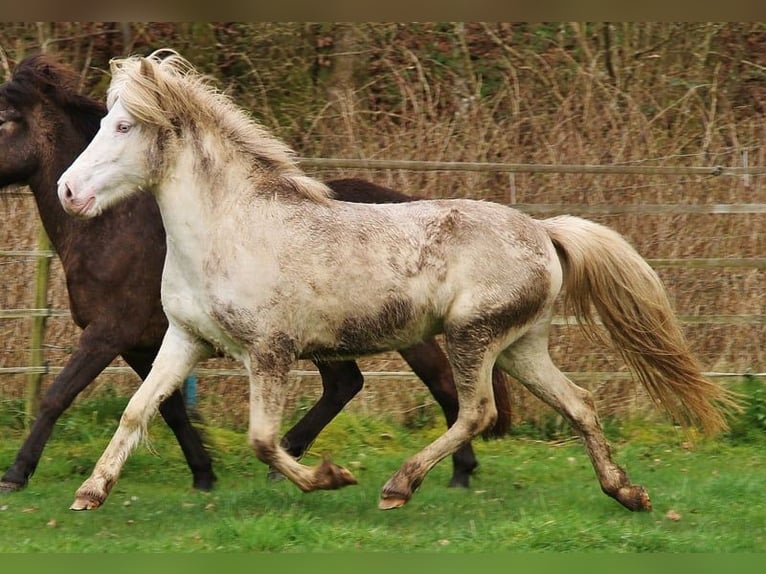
[[135, 84], [167, 91], [40, 76], [40, 79]]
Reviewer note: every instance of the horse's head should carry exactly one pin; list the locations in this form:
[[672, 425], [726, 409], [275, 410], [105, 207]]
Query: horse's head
[[161, 109], [43, 118], [114, 166], [131, 144], [17, 158]]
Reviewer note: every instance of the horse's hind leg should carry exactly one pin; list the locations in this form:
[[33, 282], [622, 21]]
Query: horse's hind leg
[[472, 371], [529, 361], [429, 362], [341, 381]]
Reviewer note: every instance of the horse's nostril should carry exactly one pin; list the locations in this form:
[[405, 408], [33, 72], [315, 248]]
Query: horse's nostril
[[67, 192]]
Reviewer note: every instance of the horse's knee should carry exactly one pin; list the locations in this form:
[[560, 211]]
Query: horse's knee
[[585, 413], [52, 405], [346, 389], [586, 397], [475, 420], [354, 382], [133, 419], [341, 381]]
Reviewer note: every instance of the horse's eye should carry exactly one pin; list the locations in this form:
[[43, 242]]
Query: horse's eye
[[123, 127]]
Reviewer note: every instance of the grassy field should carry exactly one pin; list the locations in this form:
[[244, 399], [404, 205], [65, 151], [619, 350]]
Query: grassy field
[[529, 495]]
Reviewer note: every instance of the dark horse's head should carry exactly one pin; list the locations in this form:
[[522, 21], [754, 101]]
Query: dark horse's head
[[40, 109]]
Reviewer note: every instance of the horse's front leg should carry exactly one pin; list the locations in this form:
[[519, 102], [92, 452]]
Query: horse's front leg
[[83, 367], [268, 385], [178, 355]]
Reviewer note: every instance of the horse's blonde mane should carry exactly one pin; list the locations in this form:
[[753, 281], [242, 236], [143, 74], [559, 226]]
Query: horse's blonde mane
[[163, 89]]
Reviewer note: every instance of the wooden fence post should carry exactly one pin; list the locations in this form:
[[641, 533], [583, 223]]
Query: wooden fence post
[[37, 359]]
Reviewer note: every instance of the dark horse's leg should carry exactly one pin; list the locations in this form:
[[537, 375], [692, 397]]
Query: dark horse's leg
[[342, 380], [84, 365], [173, 411], [91, 357]]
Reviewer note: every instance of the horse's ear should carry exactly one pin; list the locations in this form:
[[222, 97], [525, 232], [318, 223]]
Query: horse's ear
[[147, 70], [50, 77], [46, 72]]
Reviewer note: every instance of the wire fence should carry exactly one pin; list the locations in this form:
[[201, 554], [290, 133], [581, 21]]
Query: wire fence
[[716, 171]]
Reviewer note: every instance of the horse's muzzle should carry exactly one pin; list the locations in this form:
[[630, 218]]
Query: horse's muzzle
[[73, 205]]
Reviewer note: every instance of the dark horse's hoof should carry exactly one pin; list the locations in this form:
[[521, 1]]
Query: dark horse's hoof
[[205, 483], [274, 474], [8, 486], [459, 481]]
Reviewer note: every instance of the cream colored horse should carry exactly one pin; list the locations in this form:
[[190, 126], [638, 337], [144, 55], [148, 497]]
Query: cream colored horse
[[255, 250]]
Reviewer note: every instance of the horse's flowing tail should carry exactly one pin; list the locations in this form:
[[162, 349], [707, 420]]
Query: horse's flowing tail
[[601, 267]]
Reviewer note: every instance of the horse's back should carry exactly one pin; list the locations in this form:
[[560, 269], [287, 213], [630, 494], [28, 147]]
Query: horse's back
[[434, 243]]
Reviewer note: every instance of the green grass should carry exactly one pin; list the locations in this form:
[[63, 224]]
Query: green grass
[[528, 495]]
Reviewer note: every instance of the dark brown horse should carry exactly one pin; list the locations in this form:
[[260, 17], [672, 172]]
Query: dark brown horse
[[113, 265]]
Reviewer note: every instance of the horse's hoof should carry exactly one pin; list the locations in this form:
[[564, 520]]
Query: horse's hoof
[[634, 498], [85, 503], [7, 486], [345, 478], [329, 476], [204, 483], [391, 502], [459, 482]]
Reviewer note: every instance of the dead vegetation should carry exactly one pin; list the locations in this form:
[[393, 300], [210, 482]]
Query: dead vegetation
[[670, 94]]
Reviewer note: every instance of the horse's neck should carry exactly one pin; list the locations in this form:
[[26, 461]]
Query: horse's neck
[[200, 217], [63, 230], [190, 203], [58, 225], [187, 218]]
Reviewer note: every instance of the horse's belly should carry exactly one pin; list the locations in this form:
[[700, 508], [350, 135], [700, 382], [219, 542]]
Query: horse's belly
[[393, 327]]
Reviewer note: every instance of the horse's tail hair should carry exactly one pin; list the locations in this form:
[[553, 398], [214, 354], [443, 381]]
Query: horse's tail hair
[[601, 268]]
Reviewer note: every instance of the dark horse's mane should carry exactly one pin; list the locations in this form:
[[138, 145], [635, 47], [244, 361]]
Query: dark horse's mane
[[42, 77]]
